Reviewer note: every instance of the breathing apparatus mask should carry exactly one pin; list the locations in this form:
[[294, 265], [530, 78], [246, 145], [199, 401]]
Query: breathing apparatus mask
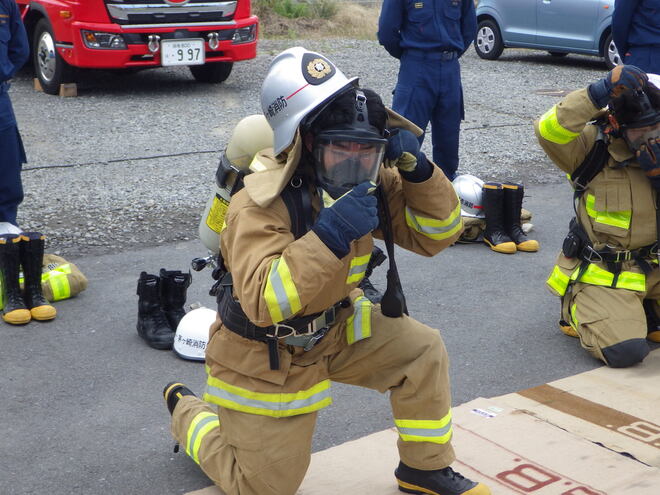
[[637, 116], [349, 154]]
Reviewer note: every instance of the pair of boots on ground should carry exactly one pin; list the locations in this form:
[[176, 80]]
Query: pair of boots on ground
[[160, 306], [502, 205], [24, 250]]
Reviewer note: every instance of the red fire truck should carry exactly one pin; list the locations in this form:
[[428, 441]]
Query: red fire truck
[[208, 36]]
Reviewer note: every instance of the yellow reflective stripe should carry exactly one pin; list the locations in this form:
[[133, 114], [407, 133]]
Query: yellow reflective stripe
[[358, 325], [551, 130], [425, 430], [595, 275], [619, 219], [558, 280], [281, 295], [434, 228], [357, 268], [59, 284], [199, 427], [277, 405]]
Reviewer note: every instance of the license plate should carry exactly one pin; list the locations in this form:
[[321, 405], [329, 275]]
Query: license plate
[[182, 52]]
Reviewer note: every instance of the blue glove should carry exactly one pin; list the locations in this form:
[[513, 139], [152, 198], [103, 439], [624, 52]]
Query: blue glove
[[621, 78], [403, 152], [648, 157], [352, 216]]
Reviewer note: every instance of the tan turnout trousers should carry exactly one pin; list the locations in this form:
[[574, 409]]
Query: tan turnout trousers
[[605, 318], [249, 454]]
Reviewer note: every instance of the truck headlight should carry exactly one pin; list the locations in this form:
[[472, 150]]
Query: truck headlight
[[103, 41], [245, 34]]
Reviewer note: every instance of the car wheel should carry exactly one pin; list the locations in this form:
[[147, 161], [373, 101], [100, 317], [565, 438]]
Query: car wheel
[[50, 68], [611, 54], [488, 42], [558, 54], [212, 72]]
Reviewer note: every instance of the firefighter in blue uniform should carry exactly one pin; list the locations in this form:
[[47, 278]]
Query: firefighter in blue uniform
[[428, 37], [14, 52], [636, 33]]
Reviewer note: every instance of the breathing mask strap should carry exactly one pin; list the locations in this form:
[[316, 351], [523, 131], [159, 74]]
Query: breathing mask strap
[[393, 303]]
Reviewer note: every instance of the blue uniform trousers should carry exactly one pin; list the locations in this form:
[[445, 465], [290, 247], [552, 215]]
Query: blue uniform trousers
[[429, 89], [12, 157], [645, 57]]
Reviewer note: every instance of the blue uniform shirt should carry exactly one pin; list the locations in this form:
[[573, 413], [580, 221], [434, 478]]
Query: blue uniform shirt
[[427, 25], [636, 23], [14, 52]]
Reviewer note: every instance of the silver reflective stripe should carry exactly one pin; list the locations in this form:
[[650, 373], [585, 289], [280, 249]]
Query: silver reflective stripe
[[272, 406], [426, 432], [192, 438], [277, 285], [428, 229]]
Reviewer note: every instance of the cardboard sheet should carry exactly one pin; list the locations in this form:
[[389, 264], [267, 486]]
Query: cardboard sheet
[[618, 408], [561, 438]]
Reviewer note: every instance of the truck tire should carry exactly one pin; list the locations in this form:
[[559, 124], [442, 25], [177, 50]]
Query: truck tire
[[212, 72], [50, 68]]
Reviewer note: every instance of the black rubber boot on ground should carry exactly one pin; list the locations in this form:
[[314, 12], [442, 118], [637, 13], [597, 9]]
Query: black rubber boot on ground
[[173, 288], [437, 482], [172, 392], [14, 310], [32, 258], [495, 235], [513, 198], [152, 323]]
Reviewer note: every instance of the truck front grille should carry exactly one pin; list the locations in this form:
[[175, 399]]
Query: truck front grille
[[177, 12]]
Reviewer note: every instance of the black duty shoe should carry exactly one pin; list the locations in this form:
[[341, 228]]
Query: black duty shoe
[[172, 392], [437, 482]]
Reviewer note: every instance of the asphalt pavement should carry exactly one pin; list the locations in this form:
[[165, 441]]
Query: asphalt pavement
[[82, 411]]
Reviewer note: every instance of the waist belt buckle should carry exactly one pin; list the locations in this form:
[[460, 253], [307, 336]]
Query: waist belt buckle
[[623, 256], [592, 256], [313, 340], [276, 333]]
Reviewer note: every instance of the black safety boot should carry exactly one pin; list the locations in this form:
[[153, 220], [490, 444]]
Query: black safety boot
[[495, 235], [173, 287], [152, 323], [32, 258], [14, 310], [172, 392], [437, 482], [652, 320], [513, 198]]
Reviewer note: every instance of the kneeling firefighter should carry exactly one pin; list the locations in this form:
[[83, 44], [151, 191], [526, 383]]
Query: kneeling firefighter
[[296, 244], [607, 273]]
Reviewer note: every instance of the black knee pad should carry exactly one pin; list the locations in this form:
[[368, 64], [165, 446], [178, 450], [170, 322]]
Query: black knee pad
[[626, 353]]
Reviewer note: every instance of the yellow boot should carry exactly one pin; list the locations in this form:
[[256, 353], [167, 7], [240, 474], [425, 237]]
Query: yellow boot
[[32, 255], [14, 311], [495, 236], [513, 198]]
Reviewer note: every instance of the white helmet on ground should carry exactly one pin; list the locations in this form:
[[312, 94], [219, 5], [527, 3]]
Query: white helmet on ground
[[298, 83], [468, 188], [192, 334]]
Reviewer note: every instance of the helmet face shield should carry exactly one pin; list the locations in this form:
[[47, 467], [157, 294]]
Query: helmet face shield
[[343, 159]]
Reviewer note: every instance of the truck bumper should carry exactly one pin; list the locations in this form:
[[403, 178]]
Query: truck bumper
[[137, 54]]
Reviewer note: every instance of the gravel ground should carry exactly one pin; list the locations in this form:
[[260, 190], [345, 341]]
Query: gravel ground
[[130, 161]]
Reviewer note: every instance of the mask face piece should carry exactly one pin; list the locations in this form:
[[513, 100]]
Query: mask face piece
[[342, 161], [349, 154], [637, 136]]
